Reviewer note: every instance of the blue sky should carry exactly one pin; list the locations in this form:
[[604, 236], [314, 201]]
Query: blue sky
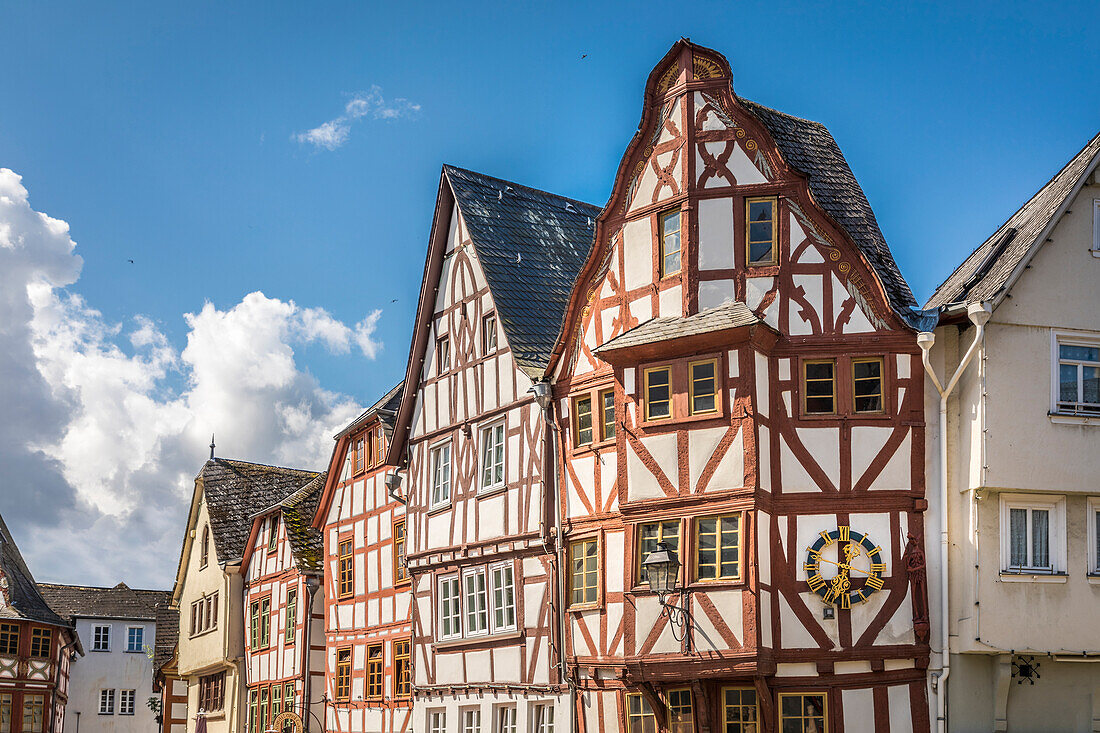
[[162, 132], [167, 134]]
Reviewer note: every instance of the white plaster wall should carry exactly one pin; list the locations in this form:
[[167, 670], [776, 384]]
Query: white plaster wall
[[116, 669]]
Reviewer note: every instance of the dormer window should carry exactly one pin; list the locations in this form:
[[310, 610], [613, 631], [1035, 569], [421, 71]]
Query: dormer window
[[760, 231], [670, 243]]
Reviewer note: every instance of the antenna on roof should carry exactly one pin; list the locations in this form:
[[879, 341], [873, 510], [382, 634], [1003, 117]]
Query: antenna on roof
[[211, 446]]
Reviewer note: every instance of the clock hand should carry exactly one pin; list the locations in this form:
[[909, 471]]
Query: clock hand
[[843, 565]]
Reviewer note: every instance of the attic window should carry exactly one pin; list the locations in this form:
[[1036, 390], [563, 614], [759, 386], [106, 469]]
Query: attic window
[[670, 243], [204, 555], [760, 231], [272, 532], [489, 334], [442, 355]]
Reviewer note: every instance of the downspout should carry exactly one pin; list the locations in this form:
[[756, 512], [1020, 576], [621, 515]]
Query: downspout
[[979, 314], [312, 584], [545, 400]]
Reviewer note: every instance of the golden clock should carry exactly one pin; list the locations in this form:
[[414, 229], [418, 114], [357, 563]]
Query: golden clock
[[855, 574]]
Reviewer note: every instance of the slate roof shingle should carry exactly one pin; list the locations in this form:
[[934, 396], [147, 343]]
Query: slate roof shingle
[[385, 408], [121, 601], [531, 245], [235, 490], [21, 597], [306, 543], [168, 627], [810, 148], [984, 273], [721, 318]]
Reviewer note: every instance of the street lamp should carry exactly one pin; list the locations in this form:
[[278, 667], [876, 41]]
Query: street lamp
[[662, 570]]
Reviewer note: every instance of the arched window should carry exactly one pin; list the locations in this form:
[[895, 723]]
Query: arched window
[[205, 555]]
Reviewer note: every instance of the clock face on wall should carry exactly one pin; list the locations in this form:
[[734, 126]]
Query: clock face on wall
[[850, 574]]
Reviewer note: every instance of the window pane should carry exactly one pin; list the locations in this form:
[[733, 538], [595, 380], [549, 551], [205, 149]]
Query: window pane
[[1040, 538], [760, 211], [702, 387], [1017, 537], [608, 400], [670, 243], [1067, 382], [584, 421], [1097, 550], [1090, 384], [658, 404], [819, 370], [1079, 353]]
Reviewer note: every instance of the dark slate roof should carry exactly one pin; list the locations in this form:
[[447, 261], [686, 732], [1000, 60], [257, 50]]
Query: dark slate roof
[[809, 147], [168, 628], [385, 408], [306, 543], [121, 601], [21, 598], [983, 274], [531, 245], [235, 491], [723, 317]]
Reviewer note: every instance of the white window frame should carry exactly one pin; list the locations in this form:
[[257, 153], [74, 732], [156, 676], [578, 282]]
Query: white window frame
[[488, 441], [497, 573], [471, 607], [1087, 339], [489, 333], [95, 638], [437, 721], [126, 700], [107, 702], [1056, 506], [141, 640], [448, 580], [1096, 227], [505, 719], [438, 499], [471, 720], [542, 717], [1093, 510]]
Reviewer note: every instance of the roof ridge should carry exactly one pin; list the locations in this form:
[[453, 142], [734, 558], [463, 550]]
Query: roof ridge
[[101, 587], [773, 110], [520, 185], [261, 465]]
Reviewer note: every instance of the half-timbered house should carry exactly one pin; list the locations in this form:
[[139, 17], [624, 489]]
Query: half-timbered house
[[284, 631], [739, 383], [368, 635], [36, 646], [478, 456], [209, 588]]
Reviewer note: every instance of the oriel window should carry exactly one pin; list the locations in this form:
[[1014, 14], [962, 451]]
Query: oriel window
[[670, 243], [867, 385], [658, 393], [704, 389], [760, 234], [819, 387]]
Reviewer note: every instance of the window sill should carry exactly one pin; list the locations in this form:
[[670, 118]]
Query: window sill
[[1096, 253], [439, 509], [585, 607], [1007, 577], [491, 491], [586, 448], [1061, 418], [677, 420], [477, 640]]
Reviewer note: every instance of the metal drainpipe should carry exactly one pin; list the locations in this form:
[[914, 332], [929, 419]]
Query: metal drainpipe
[[979, 314], [312, 584]]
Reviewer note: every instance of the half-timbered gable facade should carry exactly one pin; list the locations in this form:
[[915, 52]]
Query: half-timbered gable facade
[[284, 643], [477, 459], [368, 631], [209, 589], [36, 646], [738, 379]]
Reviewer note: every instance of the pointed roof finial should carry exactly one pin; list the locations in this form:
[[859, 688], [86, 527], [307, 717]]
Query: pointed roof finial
[[211, 446]]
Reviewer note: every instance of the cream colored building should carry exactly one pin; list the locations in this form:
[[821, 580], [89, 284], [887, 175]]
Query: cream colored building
[[1023, 469], [209, 589]]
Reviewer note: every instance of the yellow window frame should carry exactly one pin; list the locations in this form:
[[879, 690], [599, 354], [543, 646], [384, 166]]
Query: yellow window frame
[[774, 259], [661, 236], [716, 394], [607, 428], [376, 671], [644, 711], [577, 442], [805, 385], [719, 519], [685, 713], [640, 575], [589, 578], [881, 394], [345, 568], [742, 707], [343, 673], [648, 403], [824, 708]]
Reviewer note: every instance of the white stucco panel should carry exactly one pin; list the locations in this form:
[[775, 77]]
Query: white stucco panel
[[716, 238], [743, 169], [671, 302], [713, 293], [637, 253], [793, 634], [859, 711], [867, 442]]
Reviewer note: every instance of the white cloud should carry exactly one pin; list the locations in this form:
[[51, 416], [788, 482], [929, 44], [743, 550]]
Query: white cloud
[[106, 424], [334, 133]]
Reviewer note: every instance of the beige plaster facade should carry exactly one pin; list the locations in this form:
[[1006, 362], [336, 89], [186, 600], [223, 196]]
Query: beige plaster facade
[[1010, 448], [219, 647]]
